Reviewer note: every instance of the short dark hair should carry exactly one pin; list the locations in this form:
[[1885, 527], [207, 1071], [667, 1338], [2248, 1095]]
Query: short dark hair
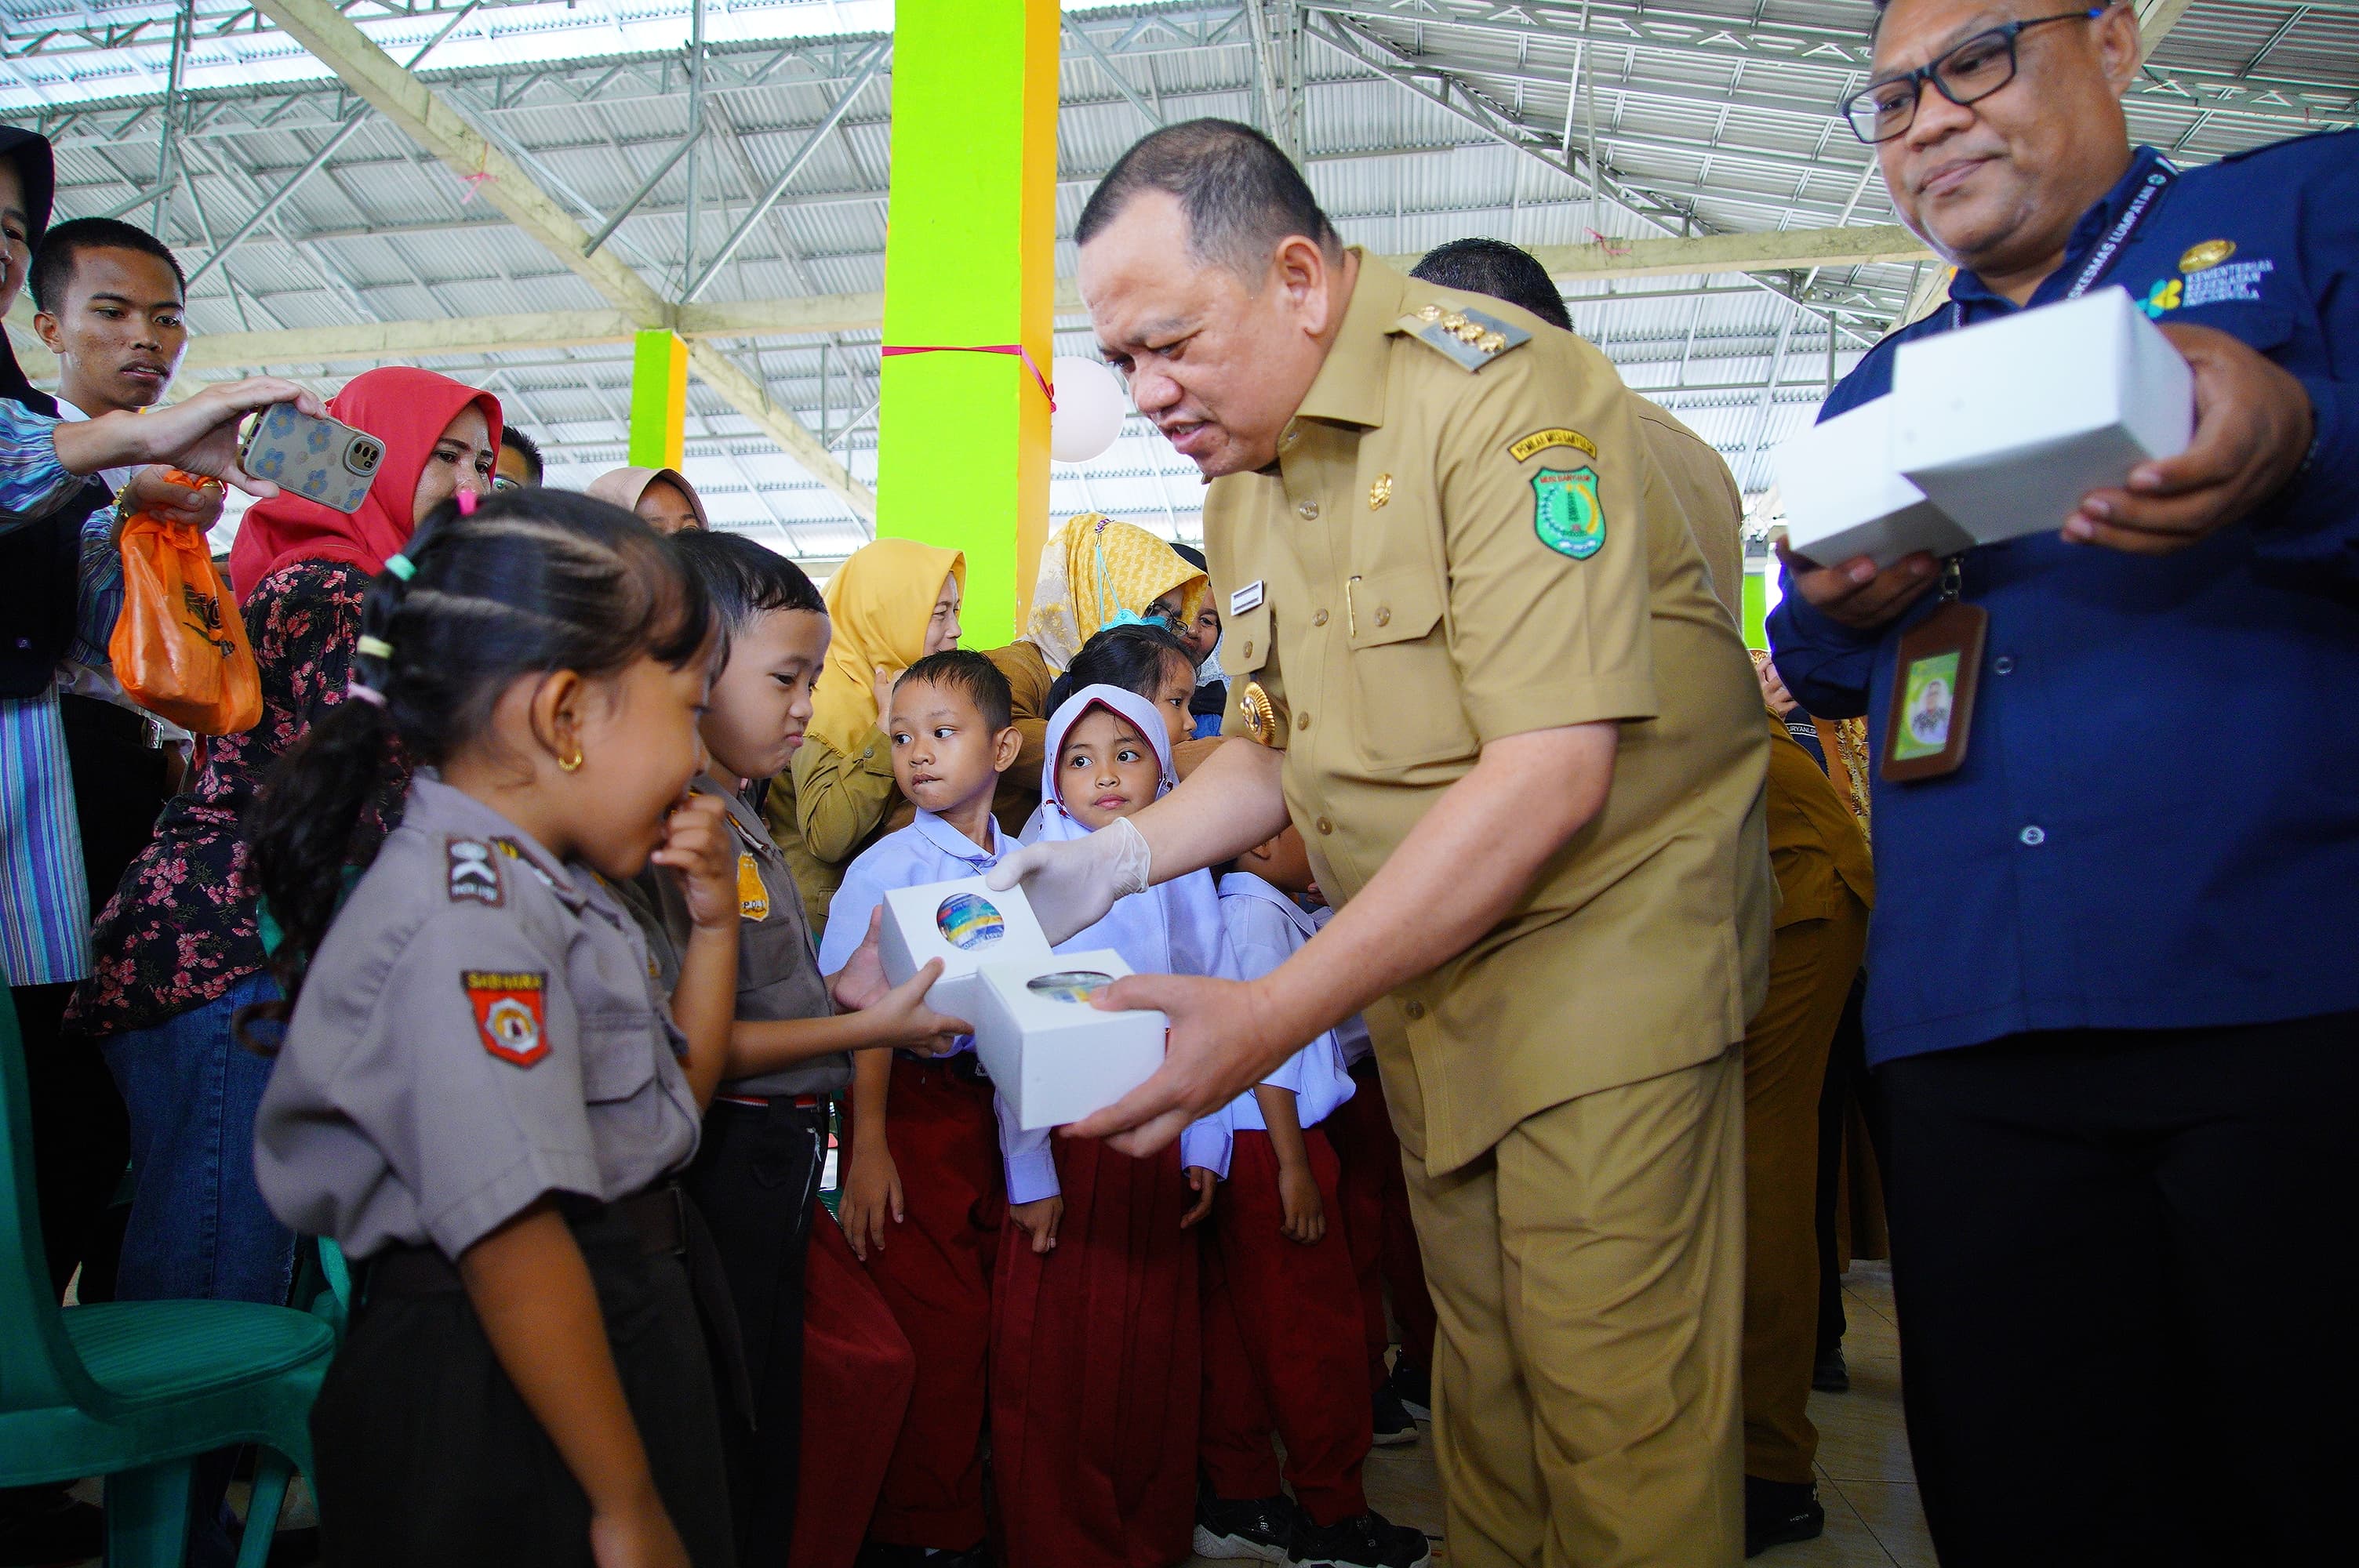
[[53, 263], [743, 580], [1241, 195], [511, 436], [1132, 655], [964, 669], [1498, 269]]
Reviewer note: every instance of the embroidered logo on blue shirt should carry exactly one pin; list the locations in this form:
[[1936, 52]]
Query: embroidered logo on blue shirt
[[2214, 283]]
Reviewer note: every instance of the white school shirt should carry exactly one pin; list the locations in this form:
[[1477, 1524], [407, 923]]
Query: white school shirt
[[930, 850], [1353, 1033], [1265, 928]]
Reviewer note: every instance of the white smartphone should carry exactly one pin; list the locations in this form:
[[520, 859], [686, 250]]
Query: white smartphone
[[321, 460]]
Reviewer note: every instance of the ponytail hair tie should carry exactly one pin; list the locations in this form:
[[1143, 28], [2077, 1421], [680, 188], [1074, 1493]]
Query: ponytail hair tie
[[373, 648], [401, 566], [360, 691]]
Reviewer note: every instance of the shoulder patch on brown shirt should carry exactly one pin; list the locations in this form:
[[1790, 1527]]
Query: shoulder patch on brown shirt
[[1539, 441]]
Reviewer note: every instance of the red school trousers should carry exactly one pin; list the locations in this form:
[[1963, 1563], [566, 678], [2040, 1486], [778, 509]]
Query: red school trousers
[[1096, 1371], [1282, 1343], [934, 1271], [858, 1372], [1376, 1223]]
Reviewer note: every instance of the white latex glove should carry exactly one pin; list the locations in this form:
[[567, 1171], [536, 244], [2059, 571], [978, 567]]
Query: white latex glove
[[1071, 884]]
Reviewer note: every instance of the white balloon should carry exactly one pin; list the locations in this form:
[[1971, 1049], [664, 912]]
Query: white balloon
[[1091, 404]]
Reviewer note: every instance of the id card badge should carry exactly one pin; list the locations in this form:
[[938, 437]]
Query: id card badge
[[1933, 687]]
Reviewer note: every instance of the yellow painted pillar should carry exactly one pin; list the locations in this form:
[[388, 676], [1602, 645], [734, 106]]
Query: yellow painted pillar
[[658, 400], [963, 438]]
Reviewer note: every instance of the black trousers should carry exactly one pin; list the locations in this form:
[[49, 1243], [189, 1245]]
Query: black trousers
[[426, 1454], [754, 1179], [2125, 1286], [81, 1141], [1847, 1080]]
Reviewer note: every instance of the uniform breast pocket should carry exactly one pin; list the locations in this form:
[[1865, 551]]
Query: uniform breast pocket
[[618, 1055], [1405, 702], [1244, 644]]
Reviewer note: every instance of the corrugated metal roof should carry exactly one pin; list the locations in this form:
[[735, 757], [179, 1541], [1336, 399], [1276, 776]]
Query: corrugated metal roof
[[1716, 114]]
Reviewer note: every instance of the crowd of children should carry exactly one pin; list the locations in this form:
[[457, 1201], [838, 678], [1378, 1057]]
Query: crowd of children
[[557, 1067]]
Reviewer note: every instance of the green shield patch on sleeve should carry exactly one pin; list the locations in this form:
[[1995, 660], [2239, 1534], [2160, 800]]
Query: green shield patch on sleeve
[[1566, 513]]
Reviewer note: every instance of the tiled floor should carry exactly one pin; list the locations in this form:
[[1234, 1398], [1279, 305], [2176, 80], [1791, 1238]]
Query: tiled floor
[[1865, 1477]]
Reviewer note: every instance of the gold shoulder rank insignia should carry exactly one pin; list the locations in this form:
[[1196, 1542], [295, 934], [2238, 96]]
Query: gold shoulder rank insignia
[[1468, 339], [1539, 441]]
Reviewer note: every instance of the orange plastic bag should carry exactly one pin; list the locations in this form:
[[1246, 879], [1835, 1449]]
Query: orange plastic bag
[[179, 646]]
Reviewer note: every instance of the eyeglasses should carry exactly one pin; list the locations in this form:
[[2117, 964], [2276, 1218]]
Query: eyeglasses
[[1966, 74]]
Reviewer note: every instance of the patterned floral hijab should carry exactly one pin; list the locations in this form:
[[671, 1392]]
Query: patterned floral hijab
[[1095, 573]]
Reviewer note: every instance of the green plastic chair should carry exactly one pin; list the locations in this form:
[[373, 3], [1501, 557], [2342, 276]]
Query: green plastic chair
[[136, 1390]]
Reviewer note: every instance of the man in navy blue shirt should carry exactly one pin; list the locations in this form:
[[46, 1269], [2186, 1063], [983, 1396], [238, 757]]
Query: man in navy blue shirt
[[2114, 966]]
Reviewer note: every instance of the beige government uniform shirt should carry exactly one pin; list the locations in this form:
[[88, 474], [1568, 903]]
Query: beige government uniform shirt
[[1464, 537]]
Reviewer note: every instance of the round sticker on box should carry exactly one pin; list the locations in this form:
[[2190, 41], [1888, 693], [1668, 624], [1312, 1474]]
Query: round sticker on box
[[1070, 985], [969, 921]]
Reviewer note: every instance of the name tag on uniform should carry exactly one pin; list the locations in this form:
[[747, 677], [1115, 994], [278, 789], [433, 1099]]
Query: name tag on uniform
[[1246, 598]]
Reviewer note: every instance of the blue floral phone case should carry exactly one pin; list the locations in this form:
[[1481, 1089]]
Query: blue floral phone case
[[321, 460]]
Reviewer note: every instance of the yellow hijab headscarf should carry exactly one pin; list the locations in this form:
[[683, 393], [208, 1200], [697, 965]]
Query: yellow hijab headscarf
[[879, 603], [1097, 572]]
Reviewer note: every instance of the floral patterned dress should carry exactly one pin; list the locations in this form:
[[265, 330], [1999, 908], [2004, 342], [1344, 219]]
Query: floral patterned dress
[[182, 928]]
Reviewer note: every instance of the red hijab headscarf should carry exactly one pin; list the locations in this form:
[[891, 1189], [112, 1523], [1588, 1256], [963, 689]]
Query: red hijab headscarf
[[407, 409]]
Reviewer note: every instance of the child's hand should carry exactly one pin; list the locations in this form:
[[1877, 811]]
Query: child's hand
[[1205, 1184], [871, 1190], [1298, 1197], [1038, 1219], [861, 982], [884, 677], [640, 1536], [903, 1019], [701, 851]]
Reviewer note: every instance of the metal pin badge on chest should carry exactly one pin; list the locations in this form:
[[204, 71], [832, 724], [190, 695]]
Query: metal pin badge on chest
[[1260, 713], [1380, 492]]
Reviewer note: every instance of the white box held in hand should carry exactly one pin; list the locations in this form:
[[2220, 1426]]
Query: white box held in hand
[[2006, 425], [966, 925], [1052, 1056], [1843, 499]]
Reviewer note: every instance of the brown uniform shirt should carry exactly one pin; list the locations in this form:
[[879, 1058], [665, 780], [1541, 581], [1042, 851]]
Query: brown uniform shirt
[[1699, 480], [777, 962], [1444, 556], [1815, 844]]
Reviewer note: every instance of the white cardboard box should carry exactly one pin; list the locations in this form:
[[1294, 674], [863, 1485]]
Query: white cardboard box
[[2005, 427], [965, 925], [1843, 498], [1053, 1057]]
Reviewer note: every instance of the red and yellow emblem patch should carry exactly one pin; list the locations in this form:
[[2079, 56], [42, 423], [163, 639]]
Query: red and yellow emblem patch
[[508, 1012]]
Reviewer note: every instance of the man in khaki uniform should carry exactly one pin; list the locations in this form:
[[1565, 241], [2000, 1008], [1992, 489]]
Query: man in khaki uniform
[[1480, 654]]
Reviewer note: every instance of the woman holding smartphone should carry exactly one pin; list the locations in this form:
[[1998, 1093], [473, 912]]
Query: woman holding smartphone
[[178, 948]]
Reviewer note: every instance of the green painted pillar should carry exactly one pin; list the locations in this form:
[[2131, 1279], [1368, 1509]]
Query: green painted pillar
[[962, 439], [658, 400]]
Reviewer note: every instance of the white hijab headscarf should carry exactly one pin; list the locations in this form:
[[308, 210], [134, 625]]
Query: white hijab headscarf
[[1172, 928]]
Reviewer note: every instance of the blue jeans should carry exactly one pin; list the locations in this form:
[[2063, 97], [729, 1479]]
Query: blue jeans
[[198, 1227]]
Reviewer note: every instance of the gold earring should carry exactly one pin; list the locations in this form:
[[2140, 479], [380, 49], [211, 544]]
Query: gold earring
[[570, 763]]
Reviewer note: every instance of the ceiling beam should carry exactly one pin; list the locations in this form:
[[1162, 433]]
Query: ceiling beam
[[2157, 17], [811, 315], [431, 123]]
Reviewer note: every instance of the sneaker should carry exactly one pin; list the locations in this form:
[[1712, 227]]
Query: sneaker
[[1776, 1512], [1831, 1375], [1394, 1427], [1413, 1387], [1255, 1527], [1370, 1541]]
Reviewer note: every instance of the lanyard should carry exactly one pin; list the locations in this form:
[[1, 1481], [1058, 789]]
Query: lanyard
[[2100, 261]]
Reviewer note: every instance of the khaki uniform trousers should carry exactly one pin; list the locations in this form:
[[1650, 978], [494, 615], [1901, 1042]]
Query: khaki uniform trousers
[[1588, 1274], [1811, 972]]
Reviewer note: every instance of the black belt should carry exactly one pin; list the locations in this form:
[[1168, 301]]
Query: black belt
[[657, 1216]]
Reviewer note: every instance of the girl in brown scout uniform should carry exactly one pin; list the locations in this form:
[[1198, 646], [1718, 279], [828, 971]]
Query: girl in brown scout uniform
[[481, 1095]]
